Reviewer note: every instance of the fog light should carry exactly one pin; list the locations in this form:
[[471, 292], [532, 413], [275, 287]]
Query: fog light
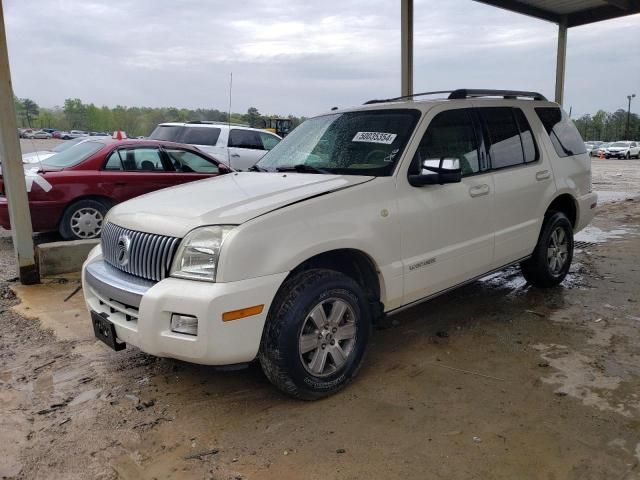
[[184, 324]]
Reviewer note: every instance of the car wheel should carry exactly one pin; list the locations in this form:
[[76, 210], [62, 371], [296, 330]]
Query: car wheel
[[83, 220], [627, 156], [316, 334], [551, 259]]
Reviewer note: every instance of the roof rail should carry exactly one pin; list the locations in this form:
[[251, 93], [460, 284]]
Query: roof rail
[[462, 93], [213, 122], [395, 99], [509, 94]]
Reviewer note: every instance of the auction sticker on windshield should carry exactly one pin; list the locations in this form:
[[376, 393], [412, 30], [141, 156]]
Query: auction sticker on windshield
[[375, 137]]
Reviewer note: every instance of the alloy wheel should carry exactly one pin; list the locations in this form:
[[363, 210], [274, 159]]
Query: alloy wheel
[[557, 251], [327, 337]]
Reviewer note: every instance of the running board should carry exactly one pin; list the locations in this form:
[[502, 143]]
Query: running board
[[447, 290]]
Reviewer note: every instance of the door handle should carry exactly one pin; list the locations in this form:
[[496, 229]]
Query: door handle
[[120, 184], [479, 190], [235, 154], [543, 175]]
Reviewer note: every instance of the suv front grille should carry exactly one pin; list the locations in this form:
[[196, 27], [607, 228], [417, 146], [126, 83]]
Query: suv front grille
[[144, 255]]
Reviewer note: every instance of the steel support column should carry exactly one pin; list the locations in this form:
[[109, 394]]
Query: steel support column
[[13, 172], [406, 47], [561, 59]]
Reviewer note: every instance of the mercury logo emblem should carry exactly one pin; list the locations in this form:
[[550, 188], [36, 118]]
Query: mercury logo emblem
[[122, 250]]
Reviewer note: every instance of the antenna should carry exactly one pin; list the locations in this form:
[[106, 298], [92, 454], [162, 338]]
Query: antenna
[[229, 118]]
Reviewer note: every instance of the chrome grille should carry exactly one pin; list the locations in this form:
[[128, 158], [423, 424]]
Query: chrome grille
[[150, 255]]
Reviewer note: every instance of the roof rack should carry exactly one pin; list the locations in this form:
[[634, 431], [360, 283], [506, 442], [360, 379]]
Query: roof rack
[[213, 122], [508, 94], [463, 93], [395, 99]]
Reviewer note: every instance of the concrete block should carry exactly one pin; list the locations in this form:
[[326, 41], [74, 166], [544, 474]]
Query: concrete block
[[56, 258]]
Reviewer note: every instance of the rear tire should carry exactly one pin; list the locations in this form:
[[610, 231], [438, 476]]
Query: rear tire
[[551, 259], [83, 220], [316, 334]]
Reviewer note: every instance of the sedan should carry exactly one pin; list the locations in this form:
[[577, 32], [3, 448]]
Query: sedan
[[41, 134], [71, 191], [601, 150]]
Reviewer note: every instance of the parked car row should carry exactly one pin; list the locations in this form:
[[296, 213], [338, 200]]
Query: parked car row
[[46, 133], [621, 149]]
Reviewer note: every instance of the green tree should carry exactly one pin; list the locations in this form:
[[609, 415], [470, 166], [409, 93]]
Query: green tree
[[75, 112], [252, 117], [30, 109]]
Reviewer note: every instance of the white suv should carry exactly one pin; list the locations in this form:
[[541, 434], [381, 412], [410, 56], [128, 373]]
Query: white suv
[[355, 215], [238, 146]]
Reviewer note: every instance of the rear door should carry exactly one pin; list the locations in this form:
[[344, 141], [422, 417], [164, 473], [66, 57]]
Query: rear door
[[446, 230], [523, 181], [189, 166], [245, 148]]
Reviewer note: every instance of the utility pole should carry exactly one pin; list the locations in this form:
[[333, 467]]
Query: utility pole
[[13, 171], [626, 130]]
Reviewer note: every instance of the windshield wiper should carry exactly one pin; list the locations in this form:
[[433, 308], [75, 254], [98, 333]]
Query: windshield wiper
[[302, 168], [256, 168]]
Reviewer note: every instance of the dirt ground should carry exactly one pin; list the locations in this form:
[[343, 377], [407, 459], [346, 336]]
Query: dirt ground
[[496, 380]]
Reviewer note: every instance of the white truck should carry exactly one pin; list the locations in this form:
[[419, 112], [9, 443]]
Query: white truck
[[357, 214]]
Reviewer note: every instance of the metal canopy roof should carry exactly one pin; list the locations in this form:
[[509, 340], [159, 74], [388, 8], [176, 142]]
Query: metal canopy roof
[[576, 12]]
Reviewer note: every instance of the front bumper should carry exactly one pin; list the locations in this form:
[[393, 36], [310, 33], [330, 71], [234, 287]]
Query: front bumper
[[141, 312]]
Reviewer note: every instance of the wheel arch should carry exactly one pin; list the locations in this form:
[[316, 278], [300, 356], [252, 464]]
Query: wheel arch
[[109, 202], [567, 204], [355, 264]]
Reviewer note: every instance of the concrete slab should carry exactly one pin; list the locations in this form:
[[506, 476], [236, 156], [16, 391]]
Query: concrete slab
[[56, 258]]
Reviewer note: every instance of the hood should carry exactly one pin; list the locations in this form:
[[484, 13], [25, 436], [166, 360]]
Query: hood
[[229, 199], [617, 149]]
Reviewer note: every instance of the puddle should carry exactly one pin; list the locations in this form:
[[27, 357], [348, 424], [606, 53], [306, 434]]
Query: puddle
[[511, 279], [597, 235], [577, 378], [605, 196]]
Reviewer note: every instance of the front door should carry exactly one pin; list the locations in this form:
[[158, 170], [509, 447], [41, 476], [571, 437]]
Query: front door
[[446, 230]]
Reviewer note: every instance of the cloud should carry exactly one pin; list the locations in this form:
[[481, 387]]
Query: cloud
[[300, 57]]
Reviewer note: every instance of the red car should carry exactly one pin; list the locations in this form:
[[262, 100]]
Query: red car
[[72, 191]]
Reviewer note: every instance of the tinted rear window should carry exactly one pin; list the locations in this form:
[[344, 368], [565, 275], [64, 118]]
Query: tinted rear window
[[190, 135], [564, 135]]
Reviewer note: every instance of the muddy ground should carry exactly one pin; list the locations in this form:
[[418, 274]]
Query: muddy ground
[[494, 381]]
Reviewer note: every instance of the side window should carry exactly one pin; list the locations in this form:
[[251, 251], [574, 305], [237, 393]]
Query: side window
[[245, 139], [113, 162], [268, 141], [505, 148], [529, 146], [142, 160], [200, 135], [451, 135], [564, 135], [189, 162]]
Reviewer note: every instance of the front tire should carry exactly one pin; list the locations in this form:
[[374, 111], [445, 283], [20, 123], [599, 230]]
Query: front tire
[[551, 259], [627, 156], [83, 220], [316, 334]]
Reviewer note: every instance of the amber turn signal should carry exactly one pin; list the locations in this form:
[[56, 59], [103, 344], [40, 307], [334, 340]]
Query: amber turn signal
[[242, 313]]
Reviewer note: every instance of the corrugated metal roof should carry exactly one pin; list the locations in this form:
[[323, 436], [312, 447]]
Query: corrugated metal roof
[[576, 12]]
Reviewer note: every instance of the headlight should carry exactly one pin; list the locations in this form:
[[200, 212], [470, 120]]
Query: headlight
[[197, 256]]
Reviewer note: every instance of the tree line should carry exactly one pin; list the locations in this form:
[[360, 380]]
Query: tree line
[[609, 127], [136, 121]]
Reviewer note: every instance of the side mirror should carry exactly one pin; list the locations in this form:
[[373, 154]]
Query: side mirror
[[445, 170]]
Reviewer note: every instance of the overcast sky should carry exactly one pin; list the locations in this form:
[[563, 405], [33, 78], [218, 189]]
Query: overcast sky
[[301, 57]]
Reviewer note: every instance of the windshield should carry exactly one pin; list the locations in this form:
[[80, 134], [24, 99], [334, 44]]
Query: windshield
[[73, 156], [68, 144], [354, 143], [619, 144]]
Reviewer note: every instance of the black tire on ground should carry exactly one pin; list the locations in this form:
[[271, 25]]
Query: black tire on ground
[[627, 156], [293, 318], [73, 224], [555, 241]]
